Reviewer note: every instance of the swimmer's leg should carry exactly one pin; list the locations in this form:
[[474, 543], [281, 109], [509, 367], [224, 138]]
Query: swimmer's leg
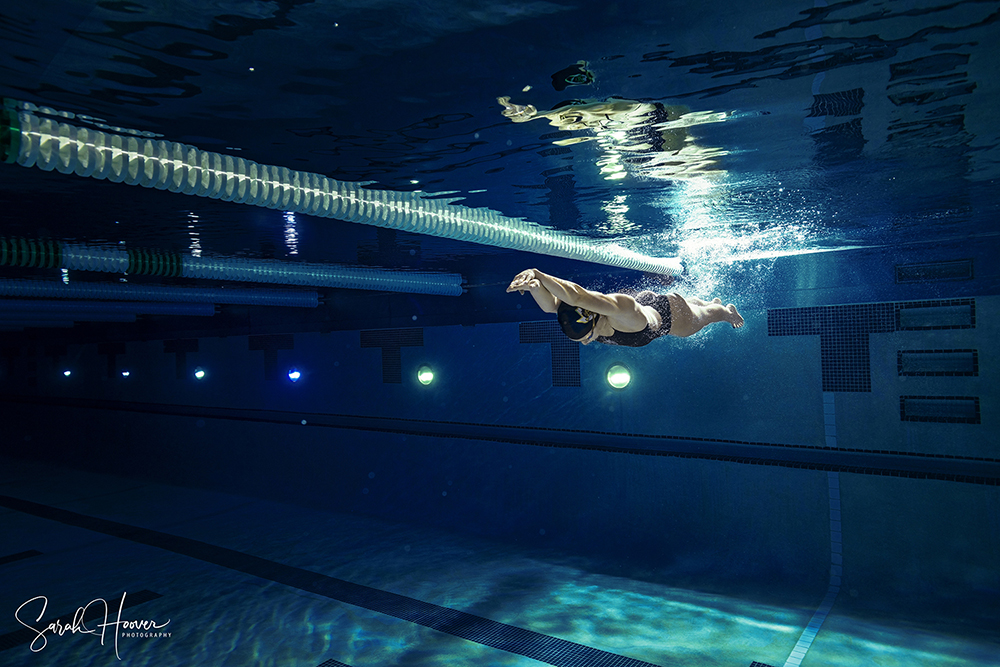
[[689, 316]]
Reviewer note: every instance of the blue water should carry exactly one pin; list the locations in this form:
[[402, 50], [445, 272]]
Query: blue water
[[796, 155]]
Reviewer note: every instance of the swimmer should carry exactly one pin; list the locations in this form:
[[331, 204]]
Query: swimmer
[[619, 319]]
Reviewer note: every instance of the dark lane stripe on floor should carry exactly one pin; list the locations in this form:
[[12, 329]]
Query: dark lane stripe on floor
[[481, 630], [13, 558]]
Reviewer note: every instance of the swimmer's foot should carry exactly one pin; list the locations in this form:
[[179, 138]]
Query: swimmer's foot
[[734, 317]]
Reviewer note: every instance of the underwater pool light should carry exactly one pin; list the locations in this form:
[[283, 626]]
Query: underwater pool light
[[125, 373], [425, 375], [294, 374], [199, 373], [67, 373], [619, 376]]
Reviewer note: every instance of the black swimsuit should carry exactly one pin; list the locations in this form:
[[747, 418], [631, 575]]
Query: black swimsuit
[[640, 338]]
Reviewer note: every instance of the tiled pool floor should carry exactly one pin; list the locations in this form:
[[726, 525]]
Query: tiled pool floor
[[244, 581]]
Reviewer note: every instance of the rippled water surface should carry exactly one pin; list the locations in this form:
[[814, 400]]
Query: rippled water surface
[[674, 129]]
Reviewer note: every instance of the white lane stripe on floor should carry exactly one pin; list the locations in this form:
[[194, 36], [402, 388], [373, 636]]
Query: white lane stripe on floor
[[836, 544]]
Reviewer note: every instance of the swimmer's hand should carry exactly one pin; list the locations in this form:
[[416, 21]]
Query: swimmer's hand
[[525, 280]]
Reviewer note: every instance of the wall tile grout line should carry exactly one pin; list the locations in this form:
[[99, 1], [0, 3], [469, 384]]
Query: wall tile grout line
[[513, 639]]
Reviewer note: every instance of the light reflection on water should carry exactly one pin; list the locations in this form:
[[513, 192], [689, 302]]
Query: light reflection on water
[[643, 140]]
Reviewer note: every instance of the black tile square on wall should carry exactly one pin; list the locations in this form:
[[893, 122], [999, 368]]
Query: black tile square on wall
[[270, 344], [565, 363], [565, 353], [845, 363], [391, 340], [180, 348], [546, 331], [410, 337]]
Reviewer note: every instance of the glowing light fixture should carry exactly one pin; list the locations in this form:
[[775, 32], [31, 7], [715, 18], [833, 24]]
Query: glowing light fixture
[[619, 376], [125, 373], [294, 374], [199, 373], [67, 372], [425, 375]]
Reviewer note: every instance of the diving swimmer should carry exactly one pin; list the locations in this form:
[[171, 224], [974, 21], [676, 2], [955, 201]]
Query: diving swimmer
[[619, 319]]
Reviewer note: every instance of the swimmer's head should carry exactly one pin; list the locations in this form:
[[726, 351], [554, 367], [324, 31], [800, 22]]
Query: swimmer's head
[[576, 322]]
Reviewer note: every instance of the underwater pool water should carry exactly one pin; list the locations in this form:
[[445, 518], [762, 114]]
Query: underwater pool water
[[448, 479]]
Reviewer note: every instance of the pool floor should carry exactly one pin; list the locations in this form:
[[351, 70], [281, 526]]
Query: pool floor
[[233, 580]]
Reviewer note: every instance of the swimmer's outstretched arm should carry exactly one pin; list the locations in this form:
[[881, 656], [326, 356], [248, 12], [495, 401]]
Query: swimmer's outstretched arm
[[550, 291], [527, 280]]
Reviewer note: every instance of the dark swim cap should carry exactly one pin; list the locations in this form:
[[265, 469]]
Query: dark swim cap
[[576, 322]]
